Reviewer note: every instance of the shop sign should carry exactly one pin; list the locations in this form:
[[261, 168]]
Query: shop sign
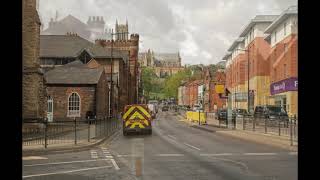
[[290, 84]]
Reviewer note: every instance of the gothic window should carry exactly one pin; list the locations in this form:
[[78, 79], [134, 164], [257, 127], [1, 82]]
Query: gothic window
[[74, 105]]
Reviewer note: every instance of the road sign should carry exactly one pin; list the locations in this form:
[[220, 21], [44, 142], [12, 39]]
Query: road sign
[[219, 88]]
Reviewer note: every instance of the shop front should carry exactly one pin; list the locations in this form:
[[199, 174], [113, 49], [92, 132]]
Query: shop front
[[285, 94]]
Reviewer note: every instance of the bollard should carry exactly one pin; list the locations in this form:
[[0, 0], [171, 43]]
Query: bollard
[[75, 130], [45, 133]]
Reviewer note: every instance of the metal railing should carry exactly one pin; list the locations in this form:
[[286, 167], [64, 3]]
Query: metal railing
[[67, 131]]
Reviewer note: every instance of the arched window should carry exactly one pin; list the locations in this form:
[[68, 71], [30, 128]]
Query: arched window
[[74, 105]]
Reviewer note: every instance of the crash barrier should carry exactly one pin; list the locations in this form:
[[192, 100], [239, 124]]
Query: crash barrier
[[194, 116], [66, 131]]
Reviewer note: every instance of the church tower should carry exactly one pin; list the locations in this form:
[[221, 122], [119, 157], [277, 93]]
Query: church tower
[[122, 31]]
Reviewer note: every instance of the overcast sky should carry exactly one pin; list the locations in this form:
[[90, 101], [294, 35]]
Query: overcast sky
[[201, 30]]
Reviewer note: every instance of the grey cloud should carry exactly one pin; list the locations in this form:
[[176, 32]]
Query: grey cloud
[[211, 24]]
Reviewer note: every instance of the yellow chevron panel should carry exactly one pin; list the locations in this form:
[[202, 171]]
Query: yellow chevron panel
[[136, 115], [144, 111], [136, 123], [128, 112]]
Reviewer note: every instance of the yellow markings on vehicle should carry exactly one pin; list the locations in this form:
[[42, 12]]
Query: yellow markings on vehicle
[[136, 115], [128, 112], [127, 123], [144, 111], [133, 125]]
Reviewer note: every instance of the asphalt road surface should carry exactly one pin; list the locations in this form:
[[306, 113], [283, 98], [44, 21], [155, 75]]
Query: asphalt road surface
[[174, 151]]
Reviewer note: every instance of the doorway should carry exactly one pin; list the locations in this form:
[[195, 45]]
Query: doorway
[[50, 109]]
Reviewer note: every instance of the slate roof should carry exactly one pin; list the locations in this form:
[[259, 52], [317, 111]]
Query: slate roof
[[67, 46], [73, 73]]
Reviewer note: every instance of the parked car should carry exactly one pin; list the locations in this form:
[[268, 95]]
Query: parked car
[[271, 112], [222, 114], [165, 108], [240, 112]]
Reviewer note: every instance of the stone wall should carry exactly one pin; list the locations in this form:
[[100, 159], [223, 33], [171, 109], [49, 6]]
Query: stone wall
[[33, 89]]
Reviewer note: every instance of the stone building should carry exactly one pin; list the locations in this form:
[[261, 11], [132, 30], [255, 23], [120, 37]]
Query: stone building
[[164, 64], [92, 30], [33, 90], [75, 89], [130, 46]]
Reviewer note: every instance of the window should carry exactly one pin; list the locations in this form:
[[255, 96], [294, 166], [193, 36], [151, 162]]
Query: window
[[74, 105], [285, 29]]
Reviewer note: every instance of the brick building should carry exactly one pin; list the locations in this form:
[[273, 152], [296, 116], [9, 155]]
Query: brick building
[[122, 43], [284, 61], [58, 50], [33, 89], [257, 50], [75, 89], [212, 100]]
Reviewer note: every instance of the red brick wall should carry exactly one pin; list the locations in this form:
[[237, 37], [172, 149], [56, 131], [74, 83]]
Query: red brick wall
[[60, 95], [258, 56], [278, 57]]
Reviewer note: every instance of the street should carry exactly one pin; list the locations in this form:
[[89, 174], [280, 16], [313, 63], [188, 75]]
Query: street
[[174, 151]]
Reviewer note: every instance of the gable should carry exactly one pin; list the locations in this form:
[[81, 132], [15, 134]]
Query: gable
[[93, 64]]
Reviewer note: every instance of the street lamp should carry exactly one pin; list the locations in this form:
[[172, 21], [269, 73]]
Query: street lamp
[[247, 50]]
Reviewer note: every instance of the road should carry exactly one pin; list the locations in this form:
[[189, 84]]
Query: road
[[174, 151]]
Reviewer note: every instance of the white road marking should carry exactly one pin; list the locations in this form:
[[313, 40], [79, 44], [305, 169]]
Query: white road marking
[[33, 158], [191, 146], [94, 154], [65, 162], [169, 154], [221, 154], [115, 164], [127, 155], [109, 157], [65, 172], [293, 153], [259, 154], [172, 137]]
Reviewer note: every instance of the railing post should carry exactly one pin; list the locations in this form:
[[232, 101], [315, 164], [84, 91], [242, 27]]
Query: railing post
[[75, 130], [254, 124], [243, 122], [265, 125], [45, 133], [279, 128], [88, 130], [291, 139]]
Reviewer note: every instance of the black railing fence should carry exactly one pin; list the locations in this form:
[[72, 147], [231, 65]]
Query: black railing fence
[[69, 131]]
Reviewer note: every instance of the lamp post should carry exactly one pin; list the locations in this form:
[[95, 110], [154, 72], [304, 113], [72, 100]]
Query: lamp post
[[247, 50]]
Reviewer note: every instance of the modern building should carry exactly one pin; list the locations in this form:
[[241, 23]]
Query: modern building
[[251, 47], [283, 37]]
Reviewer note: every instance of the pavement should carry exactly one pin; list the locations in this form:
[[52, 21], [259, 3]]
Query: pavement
[[174, 151], [257, 137], [63, 144]]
